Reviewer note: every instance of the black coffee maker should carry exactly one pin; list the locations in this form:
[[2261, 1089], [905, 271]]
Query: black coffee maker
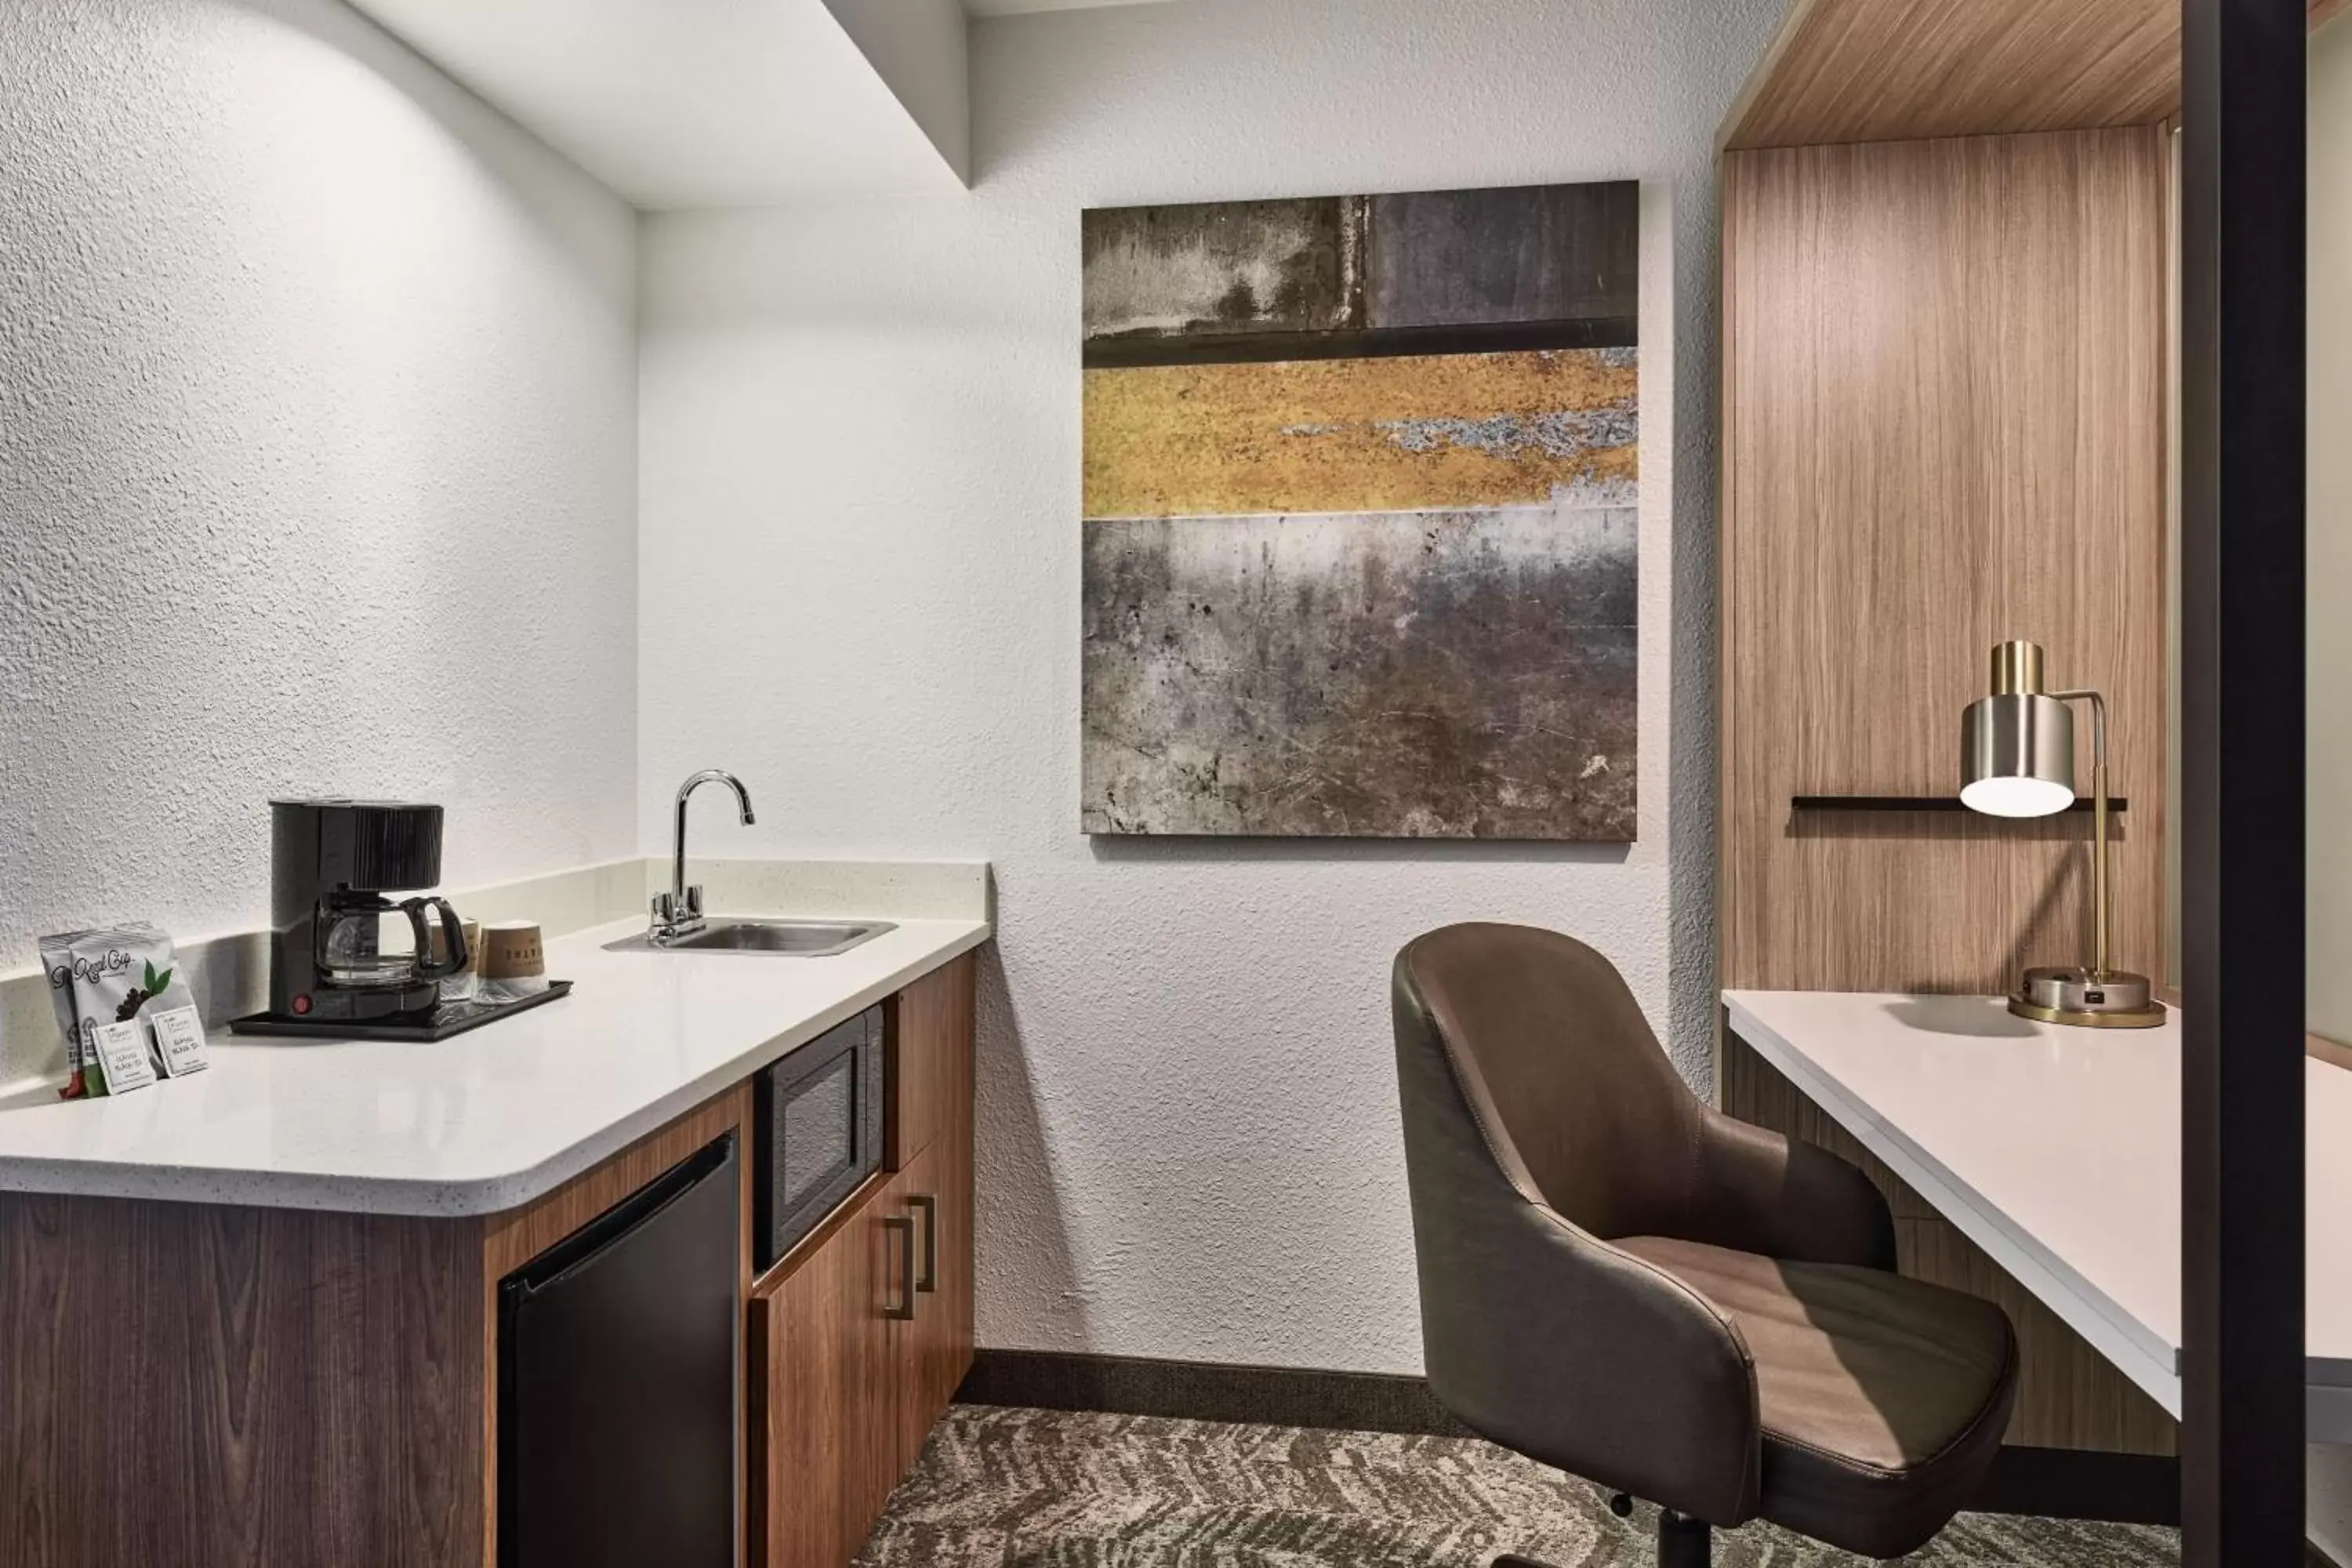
[[331, 863]]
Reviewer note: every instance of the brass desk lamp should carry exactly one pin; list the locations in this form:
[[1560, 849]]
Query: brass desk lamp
[[2017, 759]]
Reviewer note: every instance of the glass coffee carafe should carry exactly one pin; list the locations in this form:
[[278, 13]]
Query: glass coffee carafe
[[367, 942]]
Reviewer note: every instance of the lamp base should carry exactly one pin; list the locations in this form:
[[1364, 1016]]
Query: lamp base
[[2072, 994]]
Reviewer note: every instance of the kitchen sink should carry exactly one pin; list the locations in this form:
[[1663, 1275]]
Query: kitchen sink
[[780, 939]]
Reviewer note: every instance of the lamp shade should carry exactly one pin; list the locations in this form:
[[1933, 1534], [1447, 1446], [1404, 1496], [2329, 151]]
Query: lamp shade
[[2017, 754]]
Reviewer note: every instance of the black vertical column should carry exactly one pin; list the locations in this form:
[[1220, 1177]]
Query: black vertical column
[[2242, 601]]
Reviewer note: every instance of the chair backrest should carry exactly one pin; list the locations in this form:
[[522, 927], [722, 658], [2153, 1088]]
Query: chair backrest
[[1555, 1063], [1541, 1122]]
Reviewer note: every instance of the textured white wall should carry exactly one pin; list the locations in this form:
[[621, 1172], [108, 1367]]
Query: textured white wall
[[317, 461], [860, 589]]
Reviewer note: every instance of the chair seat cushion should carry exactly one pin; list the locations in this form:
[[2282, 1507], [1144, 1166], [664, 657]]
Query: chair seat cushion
[[1882, 1399]]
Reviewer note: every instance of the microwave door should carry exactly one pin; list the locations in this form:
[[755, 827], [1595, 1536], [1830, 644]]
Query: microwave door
[[819, 1117]]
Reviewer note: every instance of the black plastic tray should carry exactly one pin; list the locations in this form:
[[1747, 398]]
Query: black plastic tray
[[446, 1019]]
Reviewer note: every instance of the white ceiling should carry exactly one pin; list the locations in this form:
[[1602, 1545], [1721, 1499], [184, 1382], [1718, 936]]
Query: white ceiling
[[687, 103]]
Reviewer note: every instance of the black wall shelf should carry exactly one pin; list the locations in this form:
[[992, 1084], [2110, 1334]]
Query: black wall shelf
[[1913, 802]]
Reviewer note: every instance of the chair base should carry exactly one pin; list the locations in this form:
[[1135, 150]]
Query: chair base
[[1683, 1542]]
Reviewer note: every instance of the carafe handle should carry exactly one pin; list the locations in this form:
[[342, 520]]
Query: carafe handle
[[453, 935]]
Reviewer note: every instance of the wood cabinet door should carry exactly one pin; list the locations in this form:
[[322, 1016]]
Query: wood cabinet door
[[950, 1306], [931, 1029], [935, 1028], [823, 1360], [859, 1344], [934, 1348], [914, 1194]]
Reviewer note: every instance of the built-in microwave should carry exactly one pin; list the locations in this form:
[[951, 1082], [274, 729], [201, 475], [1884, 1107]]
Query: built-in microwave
[[817, 1121]]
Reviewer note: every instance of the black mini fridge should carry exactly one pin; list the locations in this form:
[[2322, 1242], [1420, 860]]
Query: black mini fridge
[[618, 1372]]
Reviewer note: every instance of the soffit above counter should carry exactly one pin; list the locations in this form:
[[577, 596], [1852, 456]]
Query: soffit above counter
[[709, 103], [678, 103]]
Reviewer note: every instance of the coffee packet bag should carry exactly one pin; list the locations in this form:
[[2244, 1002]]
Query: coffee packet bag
[[57, 963], [106, 976]]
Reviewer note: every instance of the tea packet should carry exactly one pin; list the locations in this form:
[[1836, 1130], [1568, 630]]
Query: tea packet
[[110, 975]]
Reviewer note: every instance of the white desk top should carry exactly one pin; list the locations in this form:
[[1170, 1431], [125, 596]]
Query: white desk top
[[2057, 1151], [478, 1122]]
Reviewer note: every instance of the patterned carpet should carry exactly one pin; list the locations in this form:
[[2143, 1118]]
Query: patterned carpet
[[1061, 1490]]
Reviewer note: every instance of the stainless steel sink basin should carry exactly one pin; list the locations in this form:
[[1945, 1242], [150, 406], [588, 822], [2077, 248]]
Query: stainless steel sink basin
[[775, 939]]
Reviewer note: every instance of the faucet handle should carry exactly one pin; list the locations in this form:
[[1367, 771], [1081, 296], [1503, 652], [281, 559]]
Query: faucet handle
[[676, 915]]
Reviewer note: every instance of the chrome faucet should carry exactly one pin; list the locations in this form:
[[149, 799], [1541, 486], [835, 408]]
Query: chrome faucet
[[678, 912]]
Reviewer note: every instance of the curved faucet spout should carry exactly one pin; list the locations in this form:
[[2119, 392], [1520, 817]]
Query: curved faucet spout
[[719, 776], [684, 905]]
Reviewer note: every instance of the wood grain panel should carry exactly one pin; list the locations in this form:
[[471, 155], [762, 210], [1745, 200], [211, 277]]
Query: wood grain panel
[[1753, 1091], [824, 1380], [2072, 1397], [929, 1024], [1897, 70], [2068, 1397], [935, 1038], [1943, 425], [1891, 70], [507, 1241], [933, 1351], [916, 1344], [226, 1387]]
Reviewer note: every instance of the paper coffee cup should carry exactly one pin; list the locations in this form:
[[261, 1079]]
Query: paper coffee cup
[[513, 959]]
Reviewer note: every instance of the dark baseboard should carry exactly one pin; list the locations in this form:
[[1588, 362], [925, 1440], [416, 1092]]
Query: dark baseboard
[[2053, 1483], [1208, 1391]]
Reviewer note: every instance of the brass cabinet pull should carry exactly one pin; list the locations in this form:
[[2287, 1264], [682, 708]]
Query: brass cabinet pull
[[905, 1311], [931, 1207]]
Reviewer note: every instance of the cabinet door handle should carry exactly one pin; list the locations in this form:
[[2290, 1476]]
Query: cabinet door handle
[[905, 1310], [931, 1207]]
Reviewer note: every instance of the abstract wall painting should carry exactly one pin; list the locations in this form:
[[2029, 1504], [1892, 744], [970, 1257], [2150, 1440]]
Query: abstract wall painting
[[1359, 538]]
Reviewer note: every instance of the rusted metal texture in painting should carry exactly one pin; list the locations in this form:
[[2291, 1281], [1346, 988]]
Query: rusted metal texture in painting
[[1455, 674], [1362, 435], [1518, 254]]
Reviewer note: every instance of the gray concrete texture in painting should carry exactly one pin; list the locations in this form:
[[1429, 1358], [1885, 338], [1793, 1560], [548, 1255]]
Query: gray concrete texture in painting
[[1510, 255], [1429, 674], [1223, 267], [1529, 253]]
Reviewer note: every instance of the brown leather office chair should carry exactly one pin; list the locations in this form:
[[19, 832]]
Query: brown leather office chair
[[1624, 1283]]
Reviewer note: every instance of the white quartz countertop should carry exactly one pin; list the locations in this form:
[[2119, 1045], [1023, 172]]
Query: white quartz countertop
[[475, 1123]]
